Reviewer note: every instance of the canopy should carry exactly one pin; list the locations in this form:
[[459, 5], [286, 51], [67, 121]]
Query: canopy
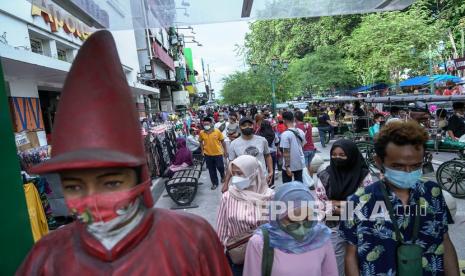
[[135, 14], [372, 87], [425, 80], [415, 98]]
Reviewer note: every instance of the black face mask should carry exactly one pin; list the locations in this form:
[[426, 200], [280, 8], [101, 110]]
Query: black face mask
[[247, 131], [340, 163], [382, 123]]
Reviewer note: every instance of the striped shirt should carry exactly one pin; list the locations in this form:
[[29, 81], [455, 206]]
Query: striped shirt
[[236, 217]]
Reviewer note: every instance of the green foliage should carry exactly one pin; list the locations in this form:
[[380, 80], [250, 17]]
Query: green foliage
[[254, 87], [323, 70], [381, 47], [329, 53], [295, 38]]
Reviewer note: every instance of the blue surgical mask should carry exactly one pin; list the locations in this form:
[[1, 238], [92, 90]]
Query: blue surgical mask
[[401, 179]]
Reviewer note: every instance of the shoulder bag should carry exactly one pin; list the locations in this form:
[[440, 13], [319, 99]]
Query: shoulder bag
[[409, 256], [237, 246]]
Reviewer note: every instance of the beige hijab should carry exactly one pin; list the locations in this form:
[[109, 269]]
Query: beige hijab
[[258, 191]]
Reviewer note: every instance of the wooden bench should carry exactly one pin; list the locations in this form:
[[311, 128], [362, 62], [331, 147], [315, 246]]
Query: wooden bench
[[182, 186]]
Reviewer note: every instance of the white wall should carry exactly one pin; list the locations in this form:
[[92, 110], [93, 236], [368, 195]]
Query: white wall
[[23, 88], [16, 30], [127, 50]]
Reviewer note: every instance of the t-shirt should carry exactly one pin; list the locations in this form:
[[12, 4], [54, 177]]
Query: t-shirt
[[212, 142], [257, 147], [456, 125], [372, 231], [323, 120], [307, 129], [290, 141]]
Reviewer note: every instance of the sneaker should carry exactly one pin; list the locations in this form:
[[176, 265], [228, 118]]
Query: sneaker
[[214, 187]]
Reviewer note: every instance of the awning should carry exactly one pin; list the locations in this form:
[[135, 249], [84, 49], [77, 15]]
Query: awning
[[372, 87], [116, 15], [163, 56], [425, 80], [141, 89]]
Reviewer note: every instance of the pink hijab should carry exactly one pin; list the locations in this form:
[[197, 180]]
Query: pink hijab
[[258, 191]]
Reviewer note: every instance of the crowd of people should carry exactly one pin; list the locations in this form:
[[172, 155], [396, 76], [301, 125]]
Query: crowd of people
[[249, 153], [106, 185]]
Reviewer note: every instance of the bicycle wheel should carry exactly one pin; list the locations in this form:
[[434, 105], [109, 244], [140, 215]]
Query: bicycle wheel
[[451, 177]]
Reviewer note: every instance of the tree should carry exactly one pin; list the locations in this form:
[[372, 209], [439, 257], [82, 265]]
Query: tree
[[295, 38], [323, 70], [254, 87], [381, 47]]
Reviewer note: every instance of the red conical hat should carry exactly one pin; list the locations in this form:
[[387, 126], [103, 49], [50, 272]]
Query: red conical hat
[[96, 124]]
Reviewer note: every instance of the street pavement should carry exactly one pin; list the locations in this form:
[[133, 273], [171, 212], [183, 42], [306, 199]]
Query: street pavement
[[208, 201]]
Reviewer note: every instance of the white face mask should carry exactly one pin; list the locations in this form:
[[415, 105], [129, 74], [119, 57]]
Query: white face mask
[[240, 182]]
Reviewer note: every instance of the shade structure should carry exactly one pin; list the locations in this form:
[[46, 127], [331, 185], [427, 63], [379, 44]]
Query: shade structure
[[373, 87], [164, 13], [425, 80]]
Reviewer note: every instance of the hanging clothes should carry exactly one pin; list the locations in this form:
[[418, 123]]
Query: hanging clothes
[[39, 224]]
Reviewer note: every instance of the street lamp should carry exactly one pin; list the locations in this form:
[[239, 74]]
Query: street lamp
[[430, 54], [275, 69]]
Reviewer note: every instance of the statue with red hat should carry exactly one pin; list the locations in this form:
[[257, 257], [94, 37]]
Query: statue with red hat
[[98, 152]]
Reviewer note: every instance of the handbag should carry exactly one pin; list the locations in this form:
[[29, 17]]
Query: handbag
[[267, 254], [237, 246], [409, 256]]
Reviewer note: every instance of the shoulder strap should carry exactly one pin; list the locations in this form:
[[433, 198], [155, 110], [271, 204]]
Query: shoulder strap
[[296, 134], [416, 225], [267, 254]]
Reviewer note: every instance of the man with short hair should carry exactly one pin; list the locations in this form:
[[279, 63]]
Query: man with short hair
[[213, 149], [309, 148], [417, 243], [292, 141], [456, 122], [250, 144]]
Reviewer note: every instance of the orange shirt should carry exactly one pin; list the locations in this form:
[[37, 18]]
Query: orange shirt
[[211, 142]]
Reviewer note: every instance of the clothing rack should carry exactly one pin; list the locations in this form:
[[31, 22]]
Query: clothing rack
[[43, 188], [33, 157], [160, 148]]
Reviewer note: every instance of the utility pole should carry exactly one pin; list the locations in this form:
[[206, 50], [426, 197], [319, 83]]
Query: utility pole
[[209, 80], [207, 88]]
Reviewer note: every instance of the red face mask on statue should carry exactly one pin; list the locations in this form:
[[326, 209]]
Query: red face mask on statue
[[104, 207]]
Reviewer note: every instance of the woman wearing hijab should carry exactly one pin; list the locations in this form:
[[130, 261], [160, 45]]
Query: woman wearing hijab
[[266, 131], [299, 244], [346, 173], [182, 158], [239, 213]]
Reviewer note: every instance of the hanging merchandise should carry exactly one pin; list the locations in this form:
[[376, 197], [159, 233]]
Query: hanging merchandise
[[36, 212], [33, 156], [160, 148]]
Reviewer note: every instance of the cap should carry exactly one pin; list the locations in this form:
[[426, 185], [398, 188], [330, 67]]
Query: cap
[[244, 120]]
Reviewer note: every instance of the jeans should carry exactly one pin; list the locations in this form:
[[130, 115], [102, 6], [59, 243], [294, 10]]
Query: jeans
[[322, 131], [297, 176], [274, 157], [309, 154], [215, 163]]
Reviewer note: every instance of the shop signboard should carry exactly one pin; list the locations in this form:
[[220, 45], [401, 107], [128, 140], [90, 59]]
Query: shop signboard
[[21, 139], [459, 63], [58, 19]]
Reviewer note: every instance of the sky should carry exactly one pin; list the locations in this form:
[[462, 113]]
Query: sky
[[218, 50]]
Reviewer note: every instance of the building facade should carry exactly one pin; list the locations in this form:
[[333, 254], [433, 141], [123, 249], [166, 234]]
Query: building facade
[[38, 42]]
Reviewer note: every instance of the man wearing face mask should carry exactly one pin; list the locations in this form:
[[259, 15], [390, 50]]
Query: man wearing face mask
[[456, 123], [214, 150], [104, 175], [417, 243], [378, 119], [250, 144]]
